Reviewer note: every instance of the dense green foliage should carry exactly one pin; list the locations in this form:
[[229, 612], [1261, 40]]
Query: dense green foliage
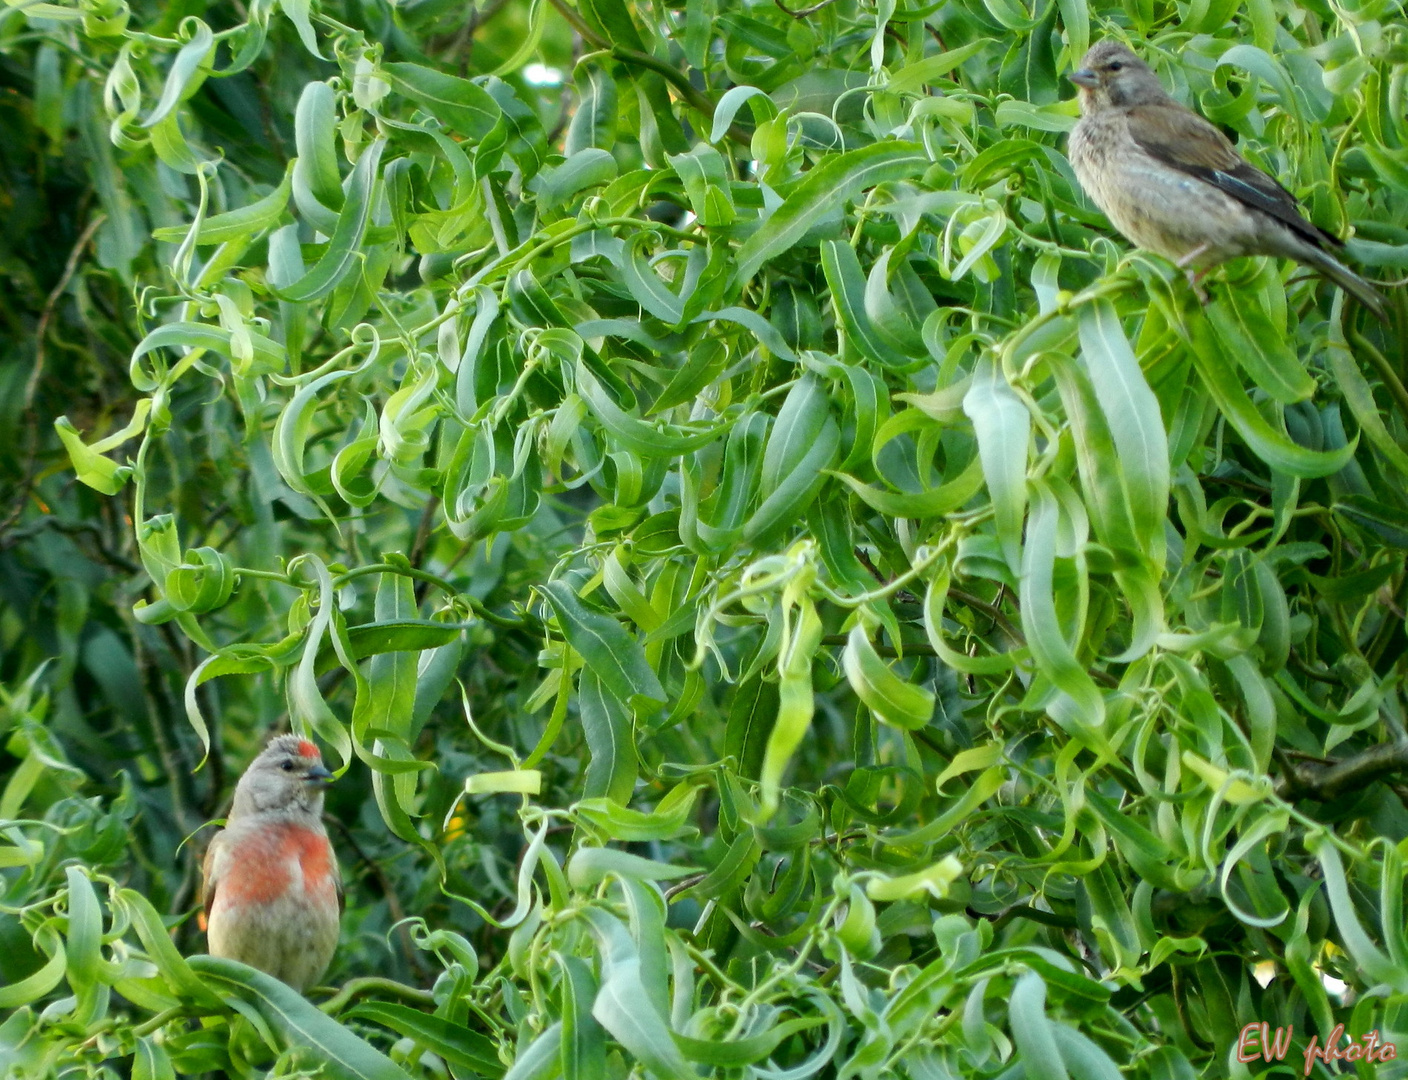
[[792, 593]]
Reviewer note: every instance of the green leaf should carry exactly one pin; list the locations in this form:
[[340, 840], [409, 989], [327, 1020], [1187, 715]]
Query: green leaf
[[645, 286], [457, 1044], [1132, 413], [1244, 332], [298, 14], [583, 1040], [238, 224], [666, 822], [594, 122], [706, 184], [1032, 1031], [624, 1008], [916, 77], [91, 466], [1003, 427], [606, 725], [588, 167], [891, 698], [848, 295], [589, 866], [187, 69], [794, 715], [343, 249], [459, 104], [1082, 1056], [1079, 706], [645, 438], [823, 190], [316, 181], [928, 504], [1367, 955], [1218, 371], [734, 99], [297, 1021], [157, 941], [612, 655]]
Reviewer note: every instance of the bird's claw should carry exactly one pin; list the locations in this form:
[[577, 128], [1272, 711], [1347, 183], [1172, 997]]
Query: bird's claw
[[1195, 283]]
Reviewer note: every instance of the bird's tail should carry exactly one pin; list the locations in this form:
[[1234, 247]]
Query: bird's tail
[[1347, 280]]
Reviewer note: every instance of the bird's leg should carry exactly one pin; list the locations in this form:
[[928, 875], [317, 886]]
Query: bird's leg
[[1194, 283], [1186, 260], [1185, 263]]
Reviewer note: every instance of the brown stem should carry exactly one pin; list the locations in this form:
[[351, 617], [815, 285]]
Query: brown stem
[[1326, 782], [911, 648], [579, 24], [393, 902], [36, 373], [1014, 636], [422, 537], [1001, 621], [802, 13]]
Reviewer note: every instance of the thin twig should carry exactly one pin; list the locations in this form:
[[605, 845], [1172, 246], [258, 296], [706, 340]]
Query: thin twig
[[422, 537], [912, 648], [355, 988], [36, 373], [802, 13], [393, 902], [691, 95], [1001, 621], [1014, 636], [683, 885], [1392, 383]]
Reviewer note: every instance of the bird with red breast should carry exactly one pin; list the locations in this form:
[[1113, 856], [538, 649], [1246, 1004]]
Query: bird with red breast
[[271, 889]]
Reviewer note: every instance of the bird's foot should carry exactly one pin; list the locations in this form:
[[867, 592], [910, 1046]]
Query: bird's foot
[[1195, 283]]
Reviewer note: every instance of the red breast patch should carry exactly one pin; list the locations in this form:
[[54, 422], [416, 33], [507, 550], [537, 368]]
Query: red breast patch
[[266, 866], [260, 867]]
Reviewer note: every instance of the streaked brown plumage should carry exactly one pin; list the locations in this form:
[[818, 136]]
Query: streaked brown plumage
[[1173, 184]]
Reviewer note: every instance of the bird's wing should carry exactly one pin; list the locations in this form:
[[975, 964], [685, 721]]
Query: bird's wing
[[337, 880], [1181, 138], [210, 878]]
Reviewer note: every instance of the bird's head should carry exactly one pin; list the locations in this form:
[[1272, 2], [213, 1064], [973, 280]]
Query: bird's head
[[289, 775], [1112, 75]]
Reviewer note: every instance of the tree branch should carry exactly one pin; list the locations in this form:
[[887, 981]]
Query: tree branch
[[36, 373], [1326, 782]]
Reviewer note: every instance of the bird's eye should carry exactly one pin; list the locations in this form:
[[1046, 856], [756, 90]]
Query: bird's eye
[[287, 766], [1116, 65]]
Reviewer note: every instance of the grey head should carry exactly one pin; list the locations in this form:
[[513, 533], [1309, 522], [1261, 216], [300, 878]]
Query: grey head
[[287, 777], [1111, 75]]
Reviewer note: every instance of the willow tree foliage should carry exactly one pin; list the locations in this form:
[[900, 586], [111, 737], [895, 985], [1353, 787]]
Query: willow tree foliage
[[792, 594]]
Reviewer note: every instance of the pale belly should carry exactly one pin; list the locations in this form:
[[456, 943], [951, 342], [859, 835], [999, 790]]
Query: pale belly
[[285, 938]]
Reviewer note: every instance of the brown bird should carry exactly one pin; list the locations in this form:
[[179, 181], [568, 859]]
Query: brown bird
[[1173, 184], [271, 887]]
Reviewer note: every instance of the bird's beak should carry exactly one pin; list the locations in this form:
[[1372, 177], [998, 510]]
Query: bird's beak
[[1083, 77], [318, 774]]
